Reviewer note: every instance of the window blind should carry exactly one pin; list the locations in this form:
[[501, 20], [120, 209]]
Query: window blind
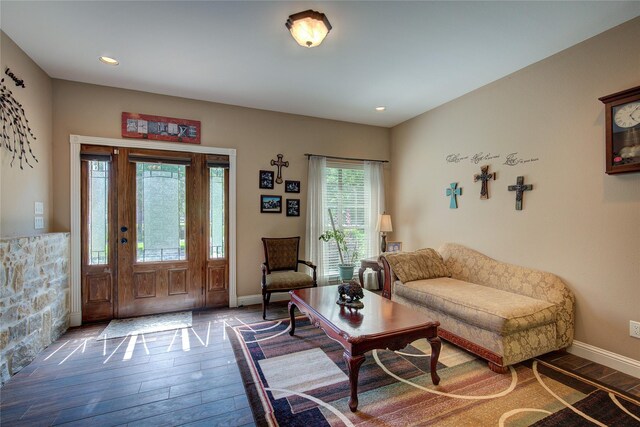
[[348, 201]]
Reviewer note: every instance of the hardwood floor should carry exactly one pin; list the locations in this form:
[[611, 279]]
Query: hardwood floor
[[169, 378]]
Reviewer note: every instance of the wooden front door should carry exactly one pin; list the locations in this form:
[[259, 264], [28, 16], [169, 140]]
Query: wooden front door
[[165, 227]]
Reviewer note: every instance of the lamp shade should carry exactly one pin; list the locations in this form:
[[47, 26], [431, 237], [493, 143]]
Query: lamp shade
[[384, 223], [308, 28]]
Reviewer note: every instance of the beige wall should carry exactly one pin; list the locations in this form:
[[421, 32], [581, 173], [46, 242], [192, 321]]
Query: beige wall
[[21, 188], [257, 135], [578, 222]]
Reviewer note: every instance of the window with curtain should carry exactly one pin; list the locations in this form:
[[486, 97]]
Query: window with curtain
[[354, 191], [348, 200]]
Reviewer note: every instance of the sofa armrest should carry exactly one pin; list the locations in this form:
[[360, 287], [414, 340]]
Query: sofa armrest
[[389, 277]]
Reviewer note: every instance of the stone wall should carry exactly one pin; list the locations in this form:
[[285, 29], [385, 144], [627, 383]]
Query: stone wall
[[34, 297]]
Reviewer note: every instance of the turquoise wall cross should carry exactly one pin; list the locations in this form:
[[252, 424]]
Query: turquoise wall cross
[[452, 192]]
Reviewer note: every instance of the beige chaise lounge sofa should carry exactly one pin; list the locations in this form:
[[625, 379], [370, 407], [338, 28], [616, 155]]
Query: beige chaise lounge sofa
[[500, 312]]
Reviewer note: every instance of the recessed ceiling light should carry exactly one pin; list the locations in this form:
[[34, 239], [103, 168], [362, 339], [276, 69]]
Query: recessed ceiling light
[[109, 61], [381, 108]]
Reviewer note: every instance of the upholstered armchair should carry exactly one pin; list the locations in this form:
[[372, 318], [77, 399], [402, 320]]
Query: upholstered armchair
[[280, 268]]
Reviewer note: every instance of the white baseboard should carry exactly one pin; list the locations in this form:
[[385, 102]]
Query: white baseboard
[[75, 319], [607, 358], [257, 299]]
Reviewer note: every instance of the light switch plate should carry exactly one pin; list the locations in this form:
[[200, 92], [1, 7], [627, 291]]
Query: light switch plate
[[39, 223], [38, 208]]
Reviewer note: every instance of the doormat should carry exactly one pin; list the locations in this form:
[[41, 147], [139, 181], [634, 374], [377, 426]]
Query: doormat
[[118, 328], [303, 380]]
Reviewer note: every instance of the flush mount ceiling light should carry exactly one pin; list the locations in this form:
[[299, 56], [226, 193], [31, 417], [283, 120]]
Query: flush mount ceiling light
[[381, 108], [108, 61], [309, 28]]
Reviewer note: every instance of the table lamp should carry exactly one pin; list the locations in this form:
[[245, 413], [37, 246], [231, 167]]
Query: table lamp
[[384, 226]]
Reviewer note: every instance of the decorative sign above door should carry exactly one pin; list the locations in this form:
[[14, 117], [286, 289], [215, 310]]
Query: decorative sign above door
[[160, 128]]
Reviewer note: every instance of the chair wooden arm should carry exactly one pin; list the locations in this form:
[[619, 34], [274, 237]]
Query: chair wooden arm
[[311, 266], [264, 274]]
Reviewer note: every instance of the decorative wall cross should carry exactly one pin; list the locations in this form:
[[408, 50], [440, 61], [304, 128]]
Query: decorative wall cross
[[484, 176], [279, 164], [452, 191], [520, 188]]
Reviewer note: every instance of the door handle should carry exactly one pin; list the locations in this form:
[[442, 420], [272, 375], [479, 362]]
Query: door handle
[[123, 240], [123, 228]]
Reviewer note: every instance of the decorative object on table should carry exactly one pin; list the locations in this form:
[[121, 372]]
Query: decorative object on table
[[394, 247], [350, 294], [292, 186], [308, 28], [16, 133], [280, 268], [384, 227], [520, 188], [160, 128], [270, 204], [484, 176], [266, 180], [350, 254], [279, 163], [622, 125], [293, 207], [452, 192]]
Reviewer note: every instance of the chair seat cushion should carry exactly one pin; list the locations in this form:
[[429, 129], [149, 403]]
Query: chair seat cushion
[[281, 280], [488, 308]]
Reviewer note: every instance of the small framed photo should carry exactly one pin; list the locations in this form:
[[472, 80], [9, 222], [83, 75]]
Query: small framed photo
[[394, 247], [292, 186], [293, 207], [270, 204], [266, 180]]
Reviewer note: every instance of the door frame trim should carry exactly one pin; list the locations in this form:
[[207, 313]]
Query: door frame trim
[[75, 142]]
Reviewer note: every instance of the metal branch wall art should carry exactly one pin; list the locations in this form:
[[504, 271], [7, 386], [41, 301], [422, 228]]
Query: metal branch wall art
[[16, 133]]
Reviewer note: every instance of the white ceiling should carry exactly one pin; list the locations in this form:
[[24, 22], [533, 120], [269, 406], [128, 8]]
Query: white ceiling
[[408, 56]]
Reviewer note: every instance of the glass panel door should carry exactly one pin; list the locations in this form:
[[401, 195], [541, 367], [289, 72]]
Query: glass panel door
[[217, 237], [98, 212]]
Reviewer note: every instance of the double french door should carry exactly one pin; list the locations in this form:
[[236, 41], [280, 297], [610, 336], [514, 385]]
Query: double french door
[[154, 232]]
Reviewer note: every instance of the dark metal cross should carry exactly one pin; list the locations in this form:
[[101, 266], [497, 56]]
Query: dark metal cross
[[279, 164], [520, 188], [484, 176], [452, 191]]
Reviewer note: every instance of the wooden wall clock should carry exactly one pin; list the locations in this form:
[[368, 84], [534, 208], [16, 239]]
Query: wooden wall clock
[[622, 118]]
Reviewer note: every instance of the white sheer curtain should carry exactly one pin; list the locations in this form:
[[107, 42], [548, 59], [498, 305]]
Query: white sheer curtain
[[374, 190], [316, 202]]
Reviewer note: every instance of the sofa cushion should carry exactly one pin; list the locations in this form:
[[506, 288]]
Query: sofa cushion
[[288, 280], [488, 308], [418, 265]]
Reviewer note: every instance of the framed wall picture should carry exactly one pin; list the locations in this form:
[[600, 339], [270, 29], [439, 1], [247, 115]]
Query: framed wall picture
[[394, 247], [270, 204], [293, 207], [292, 186], [266, 180], [622, 129], [160, 128]]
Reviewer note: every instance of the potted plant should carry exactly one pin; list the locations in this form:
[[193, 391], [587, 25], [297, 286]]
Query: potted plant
[[350, 255]]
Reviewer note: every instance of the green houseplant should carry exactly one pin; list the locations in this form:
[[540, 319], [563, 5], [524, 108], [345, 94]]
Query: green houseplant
[[346, 253]]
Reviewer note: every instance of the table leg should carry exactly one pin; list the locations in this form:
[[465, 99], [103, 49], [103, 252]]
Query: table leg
[[435, 353], [361, 275], [292, 307], [353, 365]]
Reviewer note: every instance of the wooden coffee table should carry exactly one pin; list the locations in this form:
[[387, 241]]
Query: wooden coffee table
[[381, 324]]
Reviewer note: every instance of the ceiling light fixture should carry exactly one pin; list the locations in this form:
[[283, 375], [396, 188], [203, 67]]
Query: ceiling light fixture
[[109, 61], [381, 108], [309, 28]]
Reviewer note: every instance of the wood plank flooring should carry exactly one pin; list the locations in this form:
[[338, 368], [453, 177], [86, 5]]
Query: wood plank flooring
[[166, 378]]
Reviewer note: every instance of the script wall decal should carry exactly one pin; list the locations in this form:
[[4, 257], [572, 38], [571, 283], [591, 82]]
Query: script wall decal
[[511, 159]]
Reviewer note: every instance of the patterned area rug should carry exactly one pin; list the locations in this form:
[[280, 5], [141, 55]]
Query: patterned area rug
[[146, 324], [302, 381]]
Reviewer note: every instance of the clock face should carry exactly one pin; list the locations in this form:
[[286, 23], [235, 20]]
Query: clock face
[[628, 115]]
